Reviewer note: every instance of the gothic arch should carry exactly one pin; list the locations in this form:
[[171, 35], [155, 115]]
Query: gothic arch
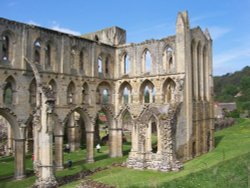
[[71, 93], [125, 63], [125, 93], [8, 37], [147, 92], [9, 90], [168, 89], [146, 61], [168, 59], [104, 93]]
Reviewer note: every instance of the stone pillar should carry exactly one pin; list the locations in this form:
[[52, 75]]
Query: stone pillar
[[9, 142], [119, 143], [148, 143], [72, 133], [19, 158], [90, 146], [134, 141], [59, 152], [112, 142]]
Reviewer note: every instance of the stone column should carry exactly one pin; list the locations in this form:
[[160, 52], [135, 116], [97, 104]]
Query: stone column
[[134, 141], [10, 141], [19, 158], [112, 142], [148, 138], [119, 142], [90, 146], [59, 152], [72, 133]]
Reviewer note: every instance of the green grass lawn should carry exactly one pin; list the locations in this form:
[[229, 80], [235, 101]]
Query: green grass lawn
[[226, 166]]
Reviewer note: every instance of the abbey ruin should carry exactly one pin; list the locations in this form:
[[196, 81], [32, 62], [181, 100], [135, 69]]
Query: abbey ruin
[[54, 84]]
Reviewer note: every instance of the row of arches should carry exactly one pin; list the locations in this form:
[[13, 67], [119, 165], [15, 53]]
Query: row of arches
[[104, 92], [147, 92], [147, 61]]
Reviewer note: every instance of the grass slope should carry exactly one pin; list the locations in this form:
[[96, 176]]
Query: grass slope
[[225, 166]]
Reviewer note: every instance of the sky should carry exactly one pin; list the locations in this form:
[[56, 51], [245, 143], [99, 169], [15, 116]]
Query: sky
[[227, 20]]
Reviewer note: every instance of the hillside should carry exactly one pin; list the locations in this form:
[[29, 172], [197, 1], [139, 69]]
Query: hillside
[[234, 87]]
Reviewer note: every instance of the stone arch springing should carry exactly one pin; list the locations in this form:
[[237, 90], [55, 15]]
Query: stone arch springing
[[33, 92], [169, 91], [104, 93], [85, 93], [9, 91], [71, 93], [146, 61], [125, 93], [37, 51], [7, 50], [147, 92]]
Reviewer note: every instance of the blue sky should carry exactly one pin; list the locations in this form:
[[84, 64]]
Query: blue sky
[[227, 20]]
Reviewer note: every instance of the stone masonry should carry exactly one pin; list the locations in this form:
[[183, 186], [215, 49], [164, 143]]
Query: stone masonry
[[52, 80]]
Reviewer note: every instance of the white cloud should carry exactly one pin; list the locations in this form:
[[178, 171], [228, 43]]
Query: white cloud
[[57, 27], [217, 32], [232, 60], [31, 22]]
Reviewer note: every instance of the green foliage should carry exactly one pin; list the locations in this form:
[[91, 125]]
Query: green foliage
[[227, 87]]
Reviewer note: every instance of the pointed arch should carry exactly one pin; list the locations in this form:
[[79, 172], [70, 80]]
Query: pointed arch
[[37, 51], [85, 93], [125, 93], [168, 90], [168, 59], [7, 50], [125, 64], [9, 91], [147, 92], [71, 93], [146, 61], [104, 93]]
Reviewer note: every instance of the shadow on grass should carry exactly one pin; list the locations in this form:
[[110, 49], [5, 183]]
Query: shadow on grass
[[218, 140]]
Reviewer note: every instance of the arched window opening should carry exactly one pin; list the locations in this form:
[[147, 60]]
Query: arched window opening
[[146, 95], [99, 65], [71, 93], [171, 65], [5, 48], [147, 92], [8, 94], [169, 89], [85, 95], [148, 60], [32, 91], [81, 61], [126, 64], [37, 48], [105, 96], [48, 55], [154, 133], [126, 94]]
